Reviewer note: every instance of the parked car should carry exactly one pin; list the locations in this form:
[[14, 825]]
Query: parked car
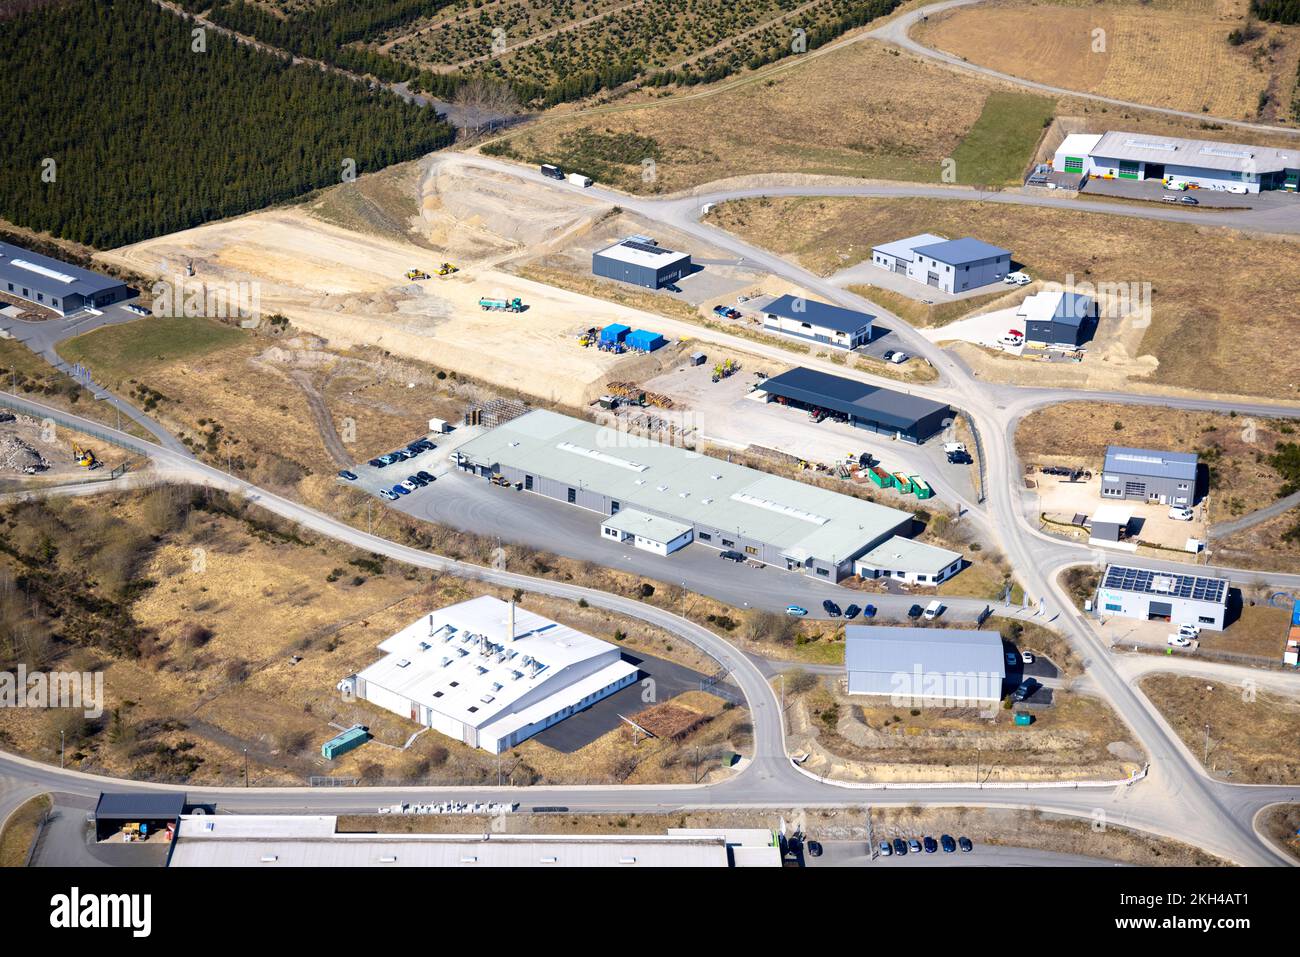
[[425, 475], [886, 849], [948, 844], [400, 490], [1181, 513], [1011, 657], [831, 608], [1189, 631], [720, 311], [933, 610], [376, 463], [869, 611], [1168, 199], [416, 481], [814, 849], [851, 612], [732, 556], [796, 611], [345, 474], [1024, 690], [914, 612], [1027, 657], [386, 495], [898, 358], [931, 845], [1178, 641], [900, 847], [1016, 279], [1189, 201], [888, 355], [914, 845], [965, 844]]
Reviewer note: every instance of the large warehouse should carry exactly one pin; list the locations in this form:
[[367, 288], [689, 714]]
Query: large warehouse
[[54, 284], [727, 506], [935, 666], [868, 407], [1207, 164], [950, 265], [1149, 476], [1150, 595], [641, 261], [818, 322], [491, 675]]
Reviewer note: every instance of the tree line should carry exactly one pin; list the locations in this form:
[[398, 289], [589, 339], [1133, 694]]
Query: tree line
[[1277, 11], [128, 132]]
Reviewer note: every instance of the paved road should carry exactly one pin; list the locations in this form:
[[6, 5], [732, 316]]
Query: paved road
[[1260, 515], [856, 854], [897, 31]]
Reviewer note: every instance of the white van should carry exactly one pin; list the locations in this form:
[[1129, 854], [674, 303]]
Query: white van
[[577, 179], [1180, 513], [933, 610]]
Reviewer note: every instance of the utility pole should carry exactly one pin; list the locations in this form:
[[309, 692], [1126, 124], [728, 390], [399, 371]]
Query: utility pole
[[1206, 760], [62, 749], [245, 767]]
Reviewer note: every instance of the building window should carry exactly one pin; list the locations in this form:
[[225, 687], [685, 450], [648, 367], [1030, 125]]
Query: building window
[[614, 507], [1110, 607], [751, 550], [824, 571], [573, 496], [704, 536], [1205, 620], [728, 543], [528, 483]]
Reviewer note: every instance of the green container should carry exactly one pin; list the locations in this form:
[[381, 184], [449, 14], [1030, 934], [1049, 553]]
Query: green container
[[902, 482], [880, 477], [921, 487], [1024, 719], [341, 744]]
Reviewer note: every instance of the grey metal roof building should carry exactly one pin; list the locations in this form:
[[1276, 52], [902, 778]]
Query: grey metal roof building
[[952, 265], [818, 321], [941, 666], [772, 519], [1058, 317], [1149, 475], [641, 261], [867, 406], [53, 284], [157, 808], [960, 252], [1152, 595], [1139, 156]]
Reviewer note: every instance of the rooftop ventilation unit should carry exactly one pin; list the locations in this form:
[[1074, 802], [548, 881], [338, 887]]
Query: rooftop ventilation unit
[[404, 663], [603, 457], [43, 271]]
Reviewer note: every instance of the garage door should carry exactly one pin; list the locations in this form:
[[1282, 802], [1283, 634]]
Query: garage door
[[1160, 610], [1074, 164]]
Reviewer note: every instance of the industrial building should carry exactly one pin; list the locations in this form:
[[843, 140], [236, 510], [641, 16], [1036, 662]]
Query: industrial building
[[1058, 318], [1207, 164], [950, 265], [771, 519], [1150, 595], [934, 666], [490, 674], [869, 407], [278, 841], [663, 536], [907, 560], [1149, 476], [1110, 525], [641, 261], [155, 812], [56, 285], [817, 322]]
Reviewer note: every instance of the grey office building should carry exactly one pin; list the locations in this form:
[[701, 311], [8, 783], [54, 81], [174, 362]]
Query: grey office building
[[641, 261], [1150, 595], [767, 518], [56, 285], [1149, 476], [937, 666]]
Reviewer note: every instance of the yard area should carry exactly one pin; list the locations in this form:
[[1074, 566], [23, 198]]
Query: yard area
[[1166, 53], [1252, 735], [1194, 333]]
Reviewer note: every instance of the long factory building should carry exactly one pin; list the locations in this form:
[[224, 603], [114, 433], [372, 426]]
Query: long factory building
[[682, 496]]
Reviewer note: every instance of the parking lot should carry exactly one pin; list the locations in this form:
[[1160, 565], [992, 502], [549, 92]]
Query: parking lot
[[376, 479]]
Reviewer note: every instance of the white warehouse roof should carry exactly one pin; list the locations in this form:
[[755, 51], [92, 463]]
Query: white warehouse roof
[[463, 662], [1078, 144], [638, 252], [904, 248], [1201, 154], [798, 518], [653, 527], [908, 555]]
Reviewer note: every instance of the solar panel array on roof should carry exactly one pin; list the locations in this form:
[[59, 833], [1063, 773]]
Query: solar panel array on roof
[[645, 247], [1150, 582]]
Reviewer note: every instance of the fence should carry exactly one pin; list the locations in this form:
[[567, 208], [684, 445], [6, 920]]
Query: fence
[[979, 450]]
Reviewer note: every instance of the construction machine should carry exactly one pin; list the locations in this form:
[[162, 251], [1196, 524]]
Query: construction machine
[[446, 269], [85, 457], [416, 274]]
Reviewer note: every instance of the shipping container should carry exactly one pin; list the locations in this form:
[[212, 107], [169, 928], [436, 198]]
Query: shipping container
[[615, 332], [341, 744], [880, 477], [902, 482], [921, 487], [645, 341], [1295, 614]]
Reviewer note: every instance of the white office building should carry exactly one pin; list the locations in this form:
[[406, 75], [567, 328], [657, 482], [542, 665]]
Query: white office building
[[490, 674]]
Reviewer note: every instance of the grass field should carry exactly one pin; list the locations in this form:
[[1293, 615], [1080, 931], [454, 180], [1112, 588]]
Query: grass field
[[1282, 824], [20, 829], [1197, 305], [921, 315], [135, 348], [1169, 55], [997, 149], [1252, 736]]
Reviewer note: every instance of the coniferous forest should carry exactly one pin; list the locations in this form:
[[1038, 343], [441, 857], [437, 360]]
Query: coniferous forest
[[115, 129]]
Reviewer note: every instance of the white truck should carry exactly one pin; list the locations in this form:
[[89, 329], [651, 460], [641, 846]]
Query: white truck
[[577, 179]]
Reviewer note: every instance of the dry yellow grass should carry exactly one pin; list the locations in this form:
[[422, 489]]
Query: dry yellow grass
[[1175, 56], [1252, 732], [20, 830]]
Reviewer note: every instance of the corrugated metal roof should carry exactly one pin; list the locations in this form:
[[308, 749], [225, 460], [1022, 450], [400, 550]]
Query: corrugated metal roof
[[961, 252], [1153, 464], [896, 410], [905, 248], [1201, 154], [884, 659], [1067, 308], [639, 253], [908, 555], [819, 313], [50, 276], [139, 805]]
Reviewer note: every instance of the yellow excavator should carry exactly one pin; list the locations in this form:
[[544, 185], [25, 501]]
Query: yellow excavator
[[85, 457], [446, 269]]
